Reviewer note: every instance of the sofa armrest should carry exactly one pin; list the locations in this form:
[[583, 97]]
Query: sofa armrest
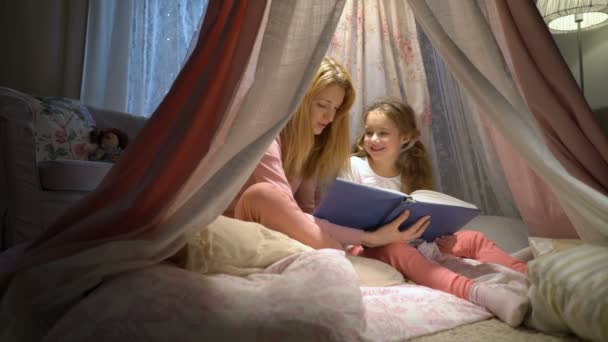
[[19, 181], [130, 124], [17, 141], [15, 107]]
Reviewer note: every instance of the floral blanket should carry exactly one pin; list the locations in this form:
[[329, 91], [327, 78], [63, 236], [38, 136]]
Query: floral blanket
[[309, 296]]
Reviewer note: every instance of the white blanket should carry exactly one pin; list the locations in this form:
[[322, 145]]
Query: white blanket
[[310, 296]]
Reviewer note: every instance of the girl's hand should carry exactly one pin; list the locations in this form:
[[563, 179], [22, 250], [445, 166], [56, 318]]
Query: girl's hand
[[390, 233]]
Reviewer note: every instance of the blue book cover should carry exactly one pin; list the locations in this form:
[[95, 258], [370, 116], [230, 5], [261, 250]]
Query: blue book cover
[[368, 208]]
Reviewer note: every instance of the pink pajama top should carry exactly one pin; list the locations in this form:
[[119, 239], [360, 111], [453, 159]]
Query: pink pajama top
[[302, 191]]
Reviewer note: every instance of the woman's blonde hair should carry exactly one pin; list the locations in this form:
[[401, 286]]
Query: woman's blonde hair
[[307, 155], [414, 163]]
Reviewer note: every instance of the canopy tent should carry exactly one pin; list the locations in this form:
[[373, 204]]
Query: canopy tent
[[248, 71]]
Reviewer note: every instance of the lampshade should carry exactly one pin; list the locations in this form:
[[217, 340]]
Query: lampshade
[[561, 15]]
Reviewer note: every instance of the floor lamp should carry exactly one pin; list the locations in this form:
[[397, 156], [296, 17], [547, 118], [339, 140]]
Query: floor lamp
[[567, 16]]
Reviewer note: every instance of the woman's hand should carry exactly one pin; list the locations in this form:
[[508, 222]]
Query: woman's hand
[[390, 233]]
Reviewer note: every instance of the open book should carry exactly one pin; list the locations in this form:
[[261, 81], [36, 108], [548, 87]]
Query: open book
[[368, 208]]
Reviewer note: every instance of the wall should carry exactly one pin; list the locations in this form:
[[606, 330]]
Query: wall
[[595, 57], [42, 46]]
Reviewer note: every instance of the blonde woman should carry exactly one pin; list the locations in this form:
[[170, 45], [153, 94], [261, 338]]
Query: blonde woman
[[312, 148]]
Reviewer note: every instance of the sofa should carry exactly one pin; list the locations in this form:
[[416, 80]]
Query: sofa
[[44, 166]]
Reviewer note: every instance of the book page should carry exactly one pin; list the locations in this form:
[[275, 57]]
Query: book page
[[430, 196]]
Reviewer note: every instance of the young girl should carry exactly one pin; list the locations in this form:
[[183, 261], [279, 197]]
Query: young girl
[[390, 155], [313, 146]]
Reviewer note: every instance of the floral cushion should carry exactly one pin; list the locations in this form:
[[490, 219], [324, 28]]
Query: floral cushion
[[61, 129]]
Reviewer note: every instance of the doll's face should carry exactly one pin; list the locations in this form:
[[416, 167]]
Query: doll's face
[[109, 140]]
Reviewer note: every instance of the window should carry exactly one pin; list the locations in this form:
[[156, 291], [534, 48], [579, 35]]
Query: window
[[135, 50]]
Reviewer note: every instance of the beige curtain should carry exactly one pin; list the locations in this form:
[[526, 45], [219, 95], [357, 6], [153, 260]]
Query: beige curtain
[[43, 46]]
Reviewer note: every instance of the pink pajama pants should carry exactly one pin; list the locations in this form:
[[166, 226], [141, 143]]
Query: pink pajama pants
[[414, 266]]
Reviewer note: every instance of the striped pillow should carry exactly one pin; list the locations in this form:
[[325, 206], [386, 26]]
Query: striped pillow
[[569, 292]]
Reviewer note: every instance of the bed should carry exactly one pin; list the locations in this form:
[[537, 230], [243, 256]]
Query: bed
[[306, 295]]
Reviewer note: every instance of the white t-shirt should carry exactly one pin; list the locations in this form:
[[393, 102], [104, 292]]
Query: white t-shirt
[[362, 173]]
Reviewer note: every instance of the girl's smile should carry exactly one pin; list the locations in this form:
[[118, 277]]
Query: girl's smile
[[374, 148]]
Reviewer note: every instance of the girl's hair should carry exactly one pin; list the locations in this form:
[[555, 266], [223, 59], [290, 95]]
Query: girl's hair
[[413, 162], [307, 155]]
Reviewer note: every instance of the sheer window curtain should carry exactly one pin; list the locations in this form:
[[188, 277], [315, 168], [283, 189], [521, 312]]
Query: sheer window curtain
[[134, 51]]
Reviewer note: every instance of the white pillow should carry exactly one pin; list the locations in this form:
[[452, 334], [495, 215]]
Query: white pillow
[[237, 247], [569, 292]]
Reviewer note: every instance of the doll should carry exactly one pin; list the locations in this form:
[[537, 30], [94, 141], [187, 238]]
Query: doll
[[111, 142]]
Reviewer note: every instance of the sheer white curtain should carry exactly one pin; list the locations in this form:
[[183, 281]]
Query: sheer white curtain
[[135, 49], [461, 33], [466, 160]]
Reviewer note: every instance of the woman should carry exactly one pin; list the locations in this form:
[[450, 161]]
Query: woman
[[312, 148]]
